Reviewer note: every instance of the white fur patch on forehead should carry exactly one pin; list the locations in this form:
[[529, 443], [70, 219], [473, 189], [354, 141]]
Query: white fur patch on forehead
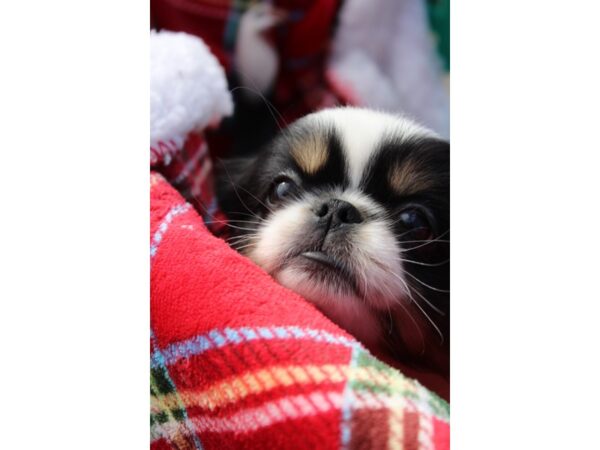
[[361, 131]]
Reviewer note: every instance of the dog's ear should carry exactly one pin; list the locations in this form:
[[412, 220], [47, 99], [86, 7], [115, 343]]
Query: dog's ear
[[232, 183]]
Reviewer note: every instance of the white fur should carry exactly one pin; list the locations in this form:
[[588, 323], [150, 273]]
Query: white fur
[[276, 234], [188, 87], [375, 262], [361, 130]]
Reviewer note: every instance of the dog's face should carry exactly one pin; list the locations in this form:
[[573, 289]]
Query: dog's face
[[350, 208]]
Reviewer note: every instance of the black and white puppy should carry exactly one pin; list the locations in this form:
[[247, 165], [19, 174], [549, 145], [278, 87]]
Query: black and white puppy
[[350, 208]]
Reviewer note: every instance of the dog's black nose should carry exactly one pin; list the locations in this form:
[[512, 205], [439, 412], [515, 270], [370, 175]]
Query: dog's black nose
[[337, 212]]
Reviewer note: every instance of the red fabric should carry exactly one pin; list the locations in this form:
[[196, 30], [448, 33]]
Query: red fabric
[[214, 387], [198, 284], [220, 382], [189, 170], [302, 43], [240, 294]]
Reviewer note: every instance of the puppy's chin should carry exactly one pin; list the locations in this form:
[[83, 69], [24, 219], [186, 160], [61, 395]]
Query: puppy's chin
[[336, 301], [353, 274]]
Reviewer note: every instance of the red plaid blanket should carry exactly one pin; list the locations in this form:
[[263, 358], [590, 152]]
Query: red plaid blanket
[[238, 361]]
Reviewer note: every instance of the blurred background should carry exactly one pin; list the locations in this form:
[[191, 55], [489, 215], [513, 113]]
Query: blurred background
[[286, 58]]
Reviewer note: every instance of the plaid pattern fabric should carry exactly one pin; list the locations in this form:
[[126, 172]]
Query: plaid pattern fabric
[[237, 361], [189, 170], [301, 43]]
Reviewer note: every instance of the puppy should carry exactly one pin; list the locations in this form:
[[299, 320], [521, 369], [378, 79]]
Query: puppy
[[350, 208]]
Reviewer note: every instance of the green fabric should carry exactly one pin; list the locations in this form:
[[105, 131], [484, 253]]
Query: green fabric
[[439, 20]]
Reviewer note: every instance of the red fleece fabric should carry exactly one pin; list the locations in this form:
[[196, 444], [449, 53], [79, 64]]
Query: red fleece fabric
[[239, 361], [217, 272]]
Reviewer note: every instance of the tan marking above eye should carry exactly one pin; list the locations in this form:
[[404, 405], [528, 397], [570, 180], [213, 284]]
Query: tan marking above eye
[[310, 154], [408, 178]]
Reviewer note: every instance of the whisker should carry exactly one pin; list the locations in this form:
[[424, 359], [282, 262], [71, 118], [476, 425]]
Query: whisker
[[213, 220], [431, 305], [245, 237], [256, 198], [237, 193], [419, 263], [420, 307], [241, 239], [225, 222], [238, 213], [431, 321], [425, 284], [409, 291], [239, 228], [402, 234], [409, 294], [253, 222], [390, 295], [389, 309], [414, 321], [269, 105], [425, 240], [242, 247], [428, 242]]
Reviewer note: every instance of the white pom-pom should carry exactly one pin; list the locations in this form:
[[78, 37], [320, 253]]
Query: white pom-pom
[[188, 88]]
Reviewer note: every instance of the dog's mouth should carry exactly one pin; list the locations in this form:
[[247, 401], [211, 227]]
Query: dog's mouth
[[328, 269], [325, 259]]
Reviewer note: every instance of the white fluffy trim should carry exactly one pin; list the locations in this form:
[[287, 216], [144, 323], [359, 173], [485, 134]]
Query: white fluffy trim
[[188, 88]]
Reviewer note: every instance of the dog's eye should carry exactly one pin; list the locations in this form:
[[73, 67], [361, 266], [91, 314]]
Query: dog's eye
[[416, 224], [282, 188]]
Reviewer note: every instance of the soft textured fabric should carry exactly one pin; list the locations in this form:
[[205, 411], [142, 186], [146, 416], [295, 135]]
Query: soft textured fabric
[[188, 91], [385, 53], [238, 361], [301, 44], [375, 53]]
